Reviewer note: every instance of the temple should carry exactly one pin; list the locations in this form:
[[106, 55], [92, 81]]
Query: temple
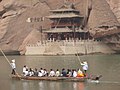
[[66, 24], [67, 35]]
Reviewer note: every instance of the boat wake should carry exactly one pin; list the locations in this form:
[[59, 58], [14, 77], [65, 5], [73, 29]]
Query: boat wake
[[110, 82], [104, 82], [93, 81]]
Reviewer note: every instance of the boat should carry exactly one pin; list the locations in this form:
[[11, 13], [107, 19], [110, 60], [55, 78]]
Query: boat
[[94, 79], [74, 79]]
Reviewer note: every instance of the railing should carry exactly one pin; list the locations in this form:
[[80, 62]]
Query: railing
[[66, 42], [64, 24]]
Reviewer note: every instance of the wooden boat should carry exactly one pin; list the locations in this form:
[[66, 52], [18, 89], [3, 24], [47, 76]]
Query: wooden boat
[[75, 79]]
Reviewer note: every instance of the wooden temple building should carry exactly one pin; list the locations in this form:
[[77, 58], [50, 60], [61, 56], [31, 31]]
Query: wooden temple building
[[66, 24], [67, 35]]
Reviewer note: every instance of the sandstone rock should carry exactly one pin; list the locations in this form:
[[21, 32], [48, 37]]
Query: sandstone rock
[[9, 13], [115, 7], [3, 25], [33, 37], [102, 20], [15, 32]]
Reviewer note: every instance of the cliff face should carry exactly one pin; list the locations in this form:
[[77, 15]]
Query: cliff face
[[115, 7], [102, 21], [15, 29], [21, 20]]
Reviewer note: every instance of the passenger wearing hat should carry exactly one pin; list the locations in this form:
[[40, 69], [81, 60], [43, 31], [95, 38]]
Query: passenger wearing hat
[[13, 67]]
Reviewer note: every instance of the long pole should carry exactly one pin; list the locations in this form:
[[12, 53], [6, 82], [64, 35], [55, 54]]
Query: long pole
[[80, 62], [78, 56], [5, 56], [9, 62]]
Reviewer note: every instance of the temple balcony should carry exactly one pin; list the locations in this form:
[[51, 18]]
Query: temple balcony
[[64, 24]]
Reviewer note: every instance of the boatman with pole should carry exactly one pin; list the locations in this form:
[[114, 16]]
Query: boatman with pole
[[84, 66], [13, 67]]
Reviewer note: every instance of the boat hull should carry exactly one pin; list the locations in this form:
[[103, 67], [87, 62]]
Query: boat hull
[[75, 79]]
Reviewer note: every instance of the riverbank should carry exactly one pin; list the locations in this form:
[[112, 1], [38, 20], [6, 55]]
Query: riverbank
[[10, 53]]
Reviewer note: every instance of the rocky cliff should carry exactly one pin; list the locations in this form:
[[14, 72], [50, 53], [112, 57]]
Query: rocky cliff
[[21, 20], [115, 7]]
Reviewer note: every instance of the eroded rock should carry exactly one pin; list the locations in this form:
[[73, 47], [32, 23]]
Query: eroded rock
[[16, 32]]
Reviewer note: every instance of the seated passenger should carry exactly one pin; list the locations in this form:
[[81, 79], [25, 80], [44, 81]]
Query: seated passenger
[[80, 73], [40, 74], [31, 73], [36, 72], [57, 74], [64, 73], [52, 73], [26, 73], [69, 73], [74, 73], [42, 71], [24, 69], [45, 72]]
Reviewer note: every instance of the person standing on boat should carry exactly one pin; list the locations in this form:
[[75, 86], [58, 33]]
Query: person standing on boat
[[13, 67], [84, 66]]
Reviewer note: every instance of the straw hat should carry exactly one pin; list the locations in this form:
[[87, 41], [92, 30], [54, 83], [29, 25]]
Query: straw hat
[[13, 60], [85, 62]]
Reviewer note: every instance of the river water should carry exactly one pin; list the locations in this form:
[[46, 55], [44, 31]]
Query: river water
[[106, 65]]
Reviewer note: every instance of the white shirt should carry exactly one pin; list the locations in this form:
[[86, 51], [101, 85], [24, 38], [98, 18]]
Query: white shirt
[[13, 65], [45, 72], [52, 73], [26, 73], [42, 71], [57, 73], [24, 69], [31, 73], [74, 74], [85, 66], [40, 74]]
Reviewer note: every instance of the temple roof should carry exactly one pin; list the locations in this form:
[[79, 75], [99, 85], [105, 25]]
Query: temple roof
[[64, 9], [69, 8], [63, 15]]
